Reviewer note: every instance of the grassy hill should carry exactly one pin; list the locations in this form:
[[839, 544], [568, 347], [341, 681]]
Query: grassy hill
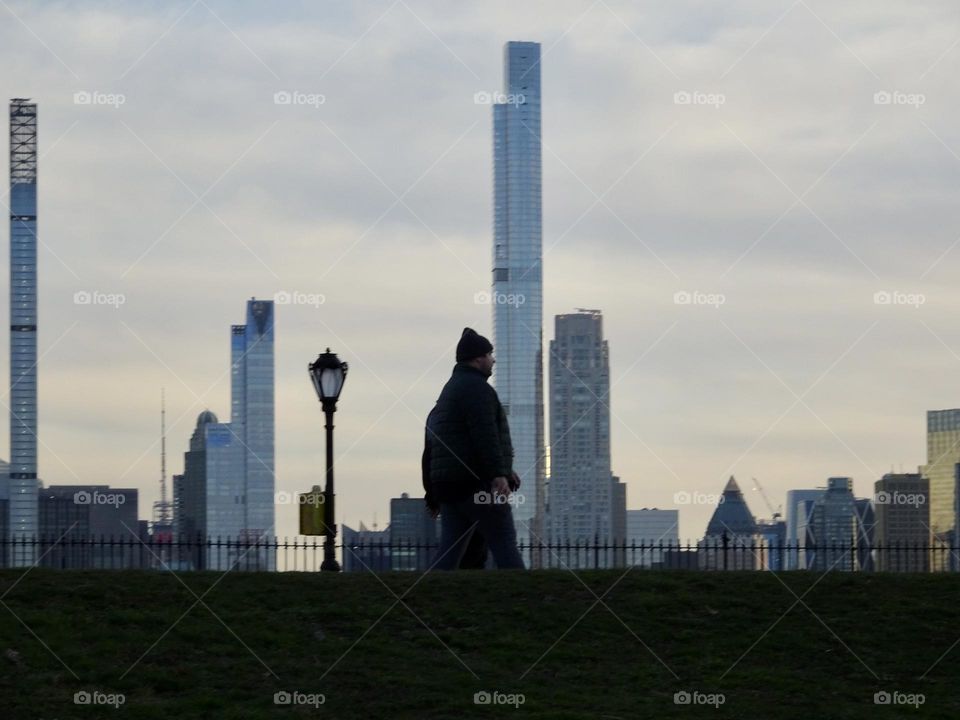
[[540, 637]]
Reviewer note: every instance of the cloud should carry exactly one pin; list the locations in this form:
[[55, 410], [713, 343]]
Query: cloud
[[303, 197]]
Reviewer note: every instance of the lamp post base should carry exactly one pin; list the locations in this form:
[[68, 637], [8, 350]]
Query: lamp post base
[[330, 564]]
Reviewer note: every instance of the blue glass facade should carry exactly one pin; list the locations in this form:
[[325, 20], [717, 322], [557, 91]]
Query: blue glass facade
[[256, 421], [238, 457], [226, 500], [22, 483], [517, 296]]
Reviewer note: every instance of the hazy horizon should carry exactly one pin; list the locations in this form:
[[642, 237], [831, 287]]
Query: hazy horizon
[[792, 159]]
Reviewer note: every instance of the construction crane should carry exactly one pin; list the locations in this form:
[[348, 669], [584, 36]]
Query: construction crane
[[774, 514]]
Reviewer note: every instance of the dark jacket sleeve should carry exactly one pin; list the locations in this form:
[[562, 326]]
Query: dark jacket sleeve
[[484, 431], [425, 466], [506, 445]]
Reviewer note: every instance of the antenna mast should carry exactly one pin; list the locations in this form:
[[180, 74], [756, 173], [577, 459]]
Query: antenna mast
[[163, 446], [163, 508]]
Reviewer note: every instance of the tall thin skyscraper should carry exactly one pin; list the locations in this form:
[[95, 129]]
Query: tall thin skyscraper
[[23, 330], [253, 416], [517, 296], [581, 502]]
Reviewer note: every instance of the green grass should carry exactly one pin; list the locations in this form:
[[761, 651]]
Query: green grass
[[521, 632]]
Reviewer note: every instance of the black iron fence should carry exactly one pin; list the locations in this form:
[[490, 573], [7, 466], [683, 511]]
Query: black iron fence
[[304, 554]]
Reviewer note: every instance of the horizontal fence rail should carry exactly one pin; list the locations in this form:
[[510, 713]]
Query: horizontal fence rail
[[305, 554]]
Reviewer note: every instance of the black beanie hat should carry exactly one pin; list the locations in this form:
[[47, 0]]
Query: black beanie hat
[[472, 345]]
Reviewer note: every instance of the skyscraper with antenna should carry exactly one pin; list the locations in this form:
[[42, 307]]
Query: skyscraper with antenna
[[162, 525]]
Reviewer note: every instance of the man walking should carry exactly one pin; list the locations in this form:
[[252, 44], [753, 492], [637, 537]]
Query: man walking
[[471, 460], [475, 555]]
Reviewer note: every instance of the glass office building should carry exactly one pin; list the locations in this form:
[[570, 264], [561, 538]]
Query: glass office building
[[943, 457], [252, 414], [834, 528], [22, 483], [517, 296], [227, 490], [799, 509], [226, 497]]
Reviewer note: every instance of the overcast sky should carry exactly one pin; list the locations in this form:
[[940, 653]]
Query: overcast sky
[[785, 187]]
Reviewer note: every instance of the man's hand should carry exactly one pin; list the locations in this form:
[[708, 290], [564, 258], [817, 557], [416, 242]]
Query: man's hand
[[500, 486], [514, 481]]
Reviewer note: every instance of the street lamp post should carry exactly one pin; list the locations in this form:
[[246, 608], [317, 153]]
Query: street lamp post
[[328, 375]]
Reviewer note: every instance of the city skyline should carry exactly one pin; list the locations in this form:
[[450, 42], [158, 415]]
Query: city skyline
[[700, 391]]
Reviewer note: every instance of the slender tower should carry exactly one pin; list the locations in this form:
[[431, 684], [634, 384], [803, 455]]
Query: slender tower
[[23, 331], [517, 296], [163, 508]]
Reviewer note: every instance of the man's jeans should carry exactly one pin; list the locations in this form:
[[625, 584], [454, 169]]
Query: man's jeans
[[459, 520]]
